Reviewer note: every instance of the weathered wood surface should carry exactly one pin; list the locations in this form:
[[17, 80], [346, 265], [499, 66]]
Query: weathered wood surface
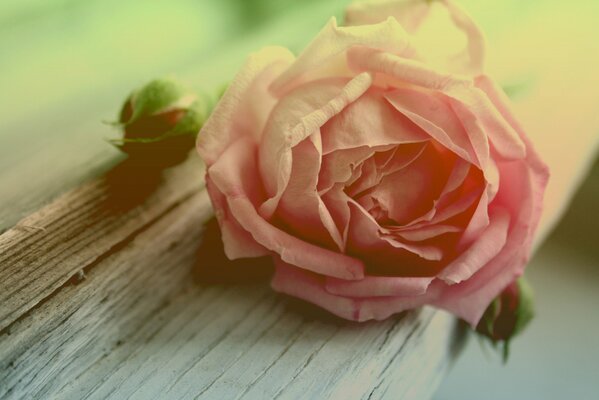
[[143, 320], [43, 251]]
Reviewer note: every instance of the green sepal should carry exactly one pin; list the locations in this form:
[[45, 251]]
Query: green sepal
[[503, 320], [490, 315], [526, 310], [189, 124], [155, 97]]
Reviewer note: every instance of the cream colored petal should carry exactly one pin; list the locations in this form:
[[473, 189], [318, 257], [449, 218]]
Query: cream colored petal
[[325, 55], [238, 113], [294, 119], [441, 33], [409, 13]]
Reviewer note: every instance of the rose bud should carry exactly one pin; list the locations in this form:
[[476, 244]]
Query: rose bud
[[160, 122], [508, 314], [379, 174]]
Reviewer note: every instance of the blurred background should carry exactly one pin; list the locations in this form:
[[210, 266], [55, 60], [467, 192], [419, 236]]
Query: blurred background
[[67, 65]]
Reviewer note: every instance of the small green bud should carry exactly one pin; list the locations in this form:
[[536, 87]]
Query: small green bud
[[508, 314], [160, 122]]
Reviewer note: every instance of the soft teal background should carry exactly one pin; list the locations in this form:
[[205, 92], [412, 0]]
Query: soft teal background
[[66, 65]]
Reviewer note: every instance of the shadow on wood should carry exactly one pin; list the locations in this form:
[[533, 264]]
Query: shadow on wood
[[213, 266], [129, 184]]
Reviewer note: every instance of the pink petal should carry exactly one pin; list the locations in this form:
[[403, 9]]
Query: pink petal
[[522, 199], [486, 247], [479, 138], [480, 116], [371, 171], [255, 76], [336, 201], [444, 212], [235, 176], [427, 232], [463, 187], [297, 116], [411, 191], [539, 170], [369, 177], [427, 252], [301, 208], [404, 156], [378, 286], [338, 166], [311, 287], [291, 249], [234, 172], [374, 243], [470, 298], [475, 111], [478, 222], [382, 158], [238, 242], [362, 59], [433, 115], [324, 57], [457, 177], [382, 126]]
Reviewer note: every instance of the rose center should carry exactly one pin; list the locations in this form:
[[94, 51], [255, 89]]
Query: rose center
[[399, 185]]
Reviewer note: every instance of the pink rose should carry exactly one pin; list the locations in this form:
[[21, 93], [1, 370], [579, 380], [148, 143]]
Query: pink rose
[[380, 175]]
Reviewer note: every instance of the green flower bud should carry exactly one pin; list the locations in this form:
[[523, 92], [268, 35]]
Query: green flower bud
[[160, 122], [508, 314]]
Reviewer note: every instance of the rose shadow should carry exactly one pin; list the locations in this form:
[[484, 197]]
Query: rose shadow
[[129, 184], [214, 268]]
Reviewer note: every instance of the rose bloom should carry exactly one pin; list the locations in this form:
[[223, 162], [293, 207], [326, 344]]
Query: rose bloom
[[381, 173]]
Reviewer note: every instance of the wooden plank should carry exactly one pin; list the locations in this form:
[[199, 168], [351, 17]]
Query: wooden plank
[[45, 250], [82, 321], [140, 326]]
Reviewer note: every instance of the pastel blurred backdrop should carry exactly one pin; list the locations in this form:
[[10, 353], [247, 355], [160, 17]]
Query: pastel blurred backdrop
[[66, 66]]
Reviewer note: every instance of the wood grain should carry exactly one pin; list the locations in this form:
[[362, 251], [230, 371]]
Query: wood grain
[[83, 321], [45, 250], [143, 322]]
